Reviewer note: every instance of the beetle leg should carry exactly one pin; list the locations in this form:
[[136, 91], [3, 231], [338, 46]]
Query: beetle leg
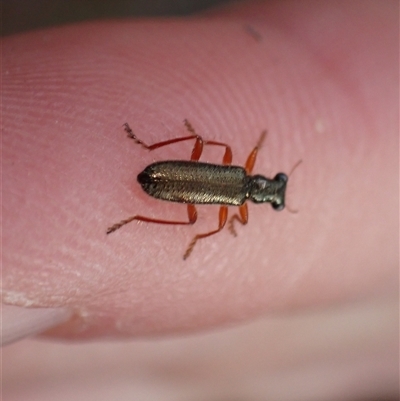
[[192, 214], [227, 159], [253, 155], [242, 217], [131, 135], [196, 152], [223, 215]]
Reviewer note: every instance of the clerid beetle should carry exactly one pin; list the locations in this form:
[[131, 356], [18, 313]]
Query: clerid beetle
[[194, 183]]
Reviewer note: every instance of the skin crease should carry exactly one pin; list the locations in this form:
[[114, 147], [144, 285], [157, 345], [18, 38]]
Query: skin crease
[[320, 80]]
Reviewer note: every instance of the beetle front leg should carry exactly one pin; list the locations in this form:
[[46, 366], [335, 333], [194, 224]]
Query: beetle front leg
[[242, 217], [253, 155]]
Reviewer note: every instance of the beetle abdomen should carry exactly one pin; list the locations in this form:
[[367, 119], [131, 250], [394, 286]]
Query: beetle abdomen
[[195, 182]]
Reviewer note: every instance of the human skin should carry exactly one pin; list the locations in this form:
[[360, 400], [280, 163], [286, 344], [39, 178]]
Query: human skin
[[322, 79]]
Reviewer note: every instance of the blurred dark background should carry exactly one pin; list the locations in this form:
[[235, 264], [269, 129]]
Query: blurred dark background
[[24, 15]]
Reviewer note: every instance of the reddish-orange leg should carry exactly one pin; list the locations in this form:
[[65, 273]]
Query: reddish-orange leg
[[192, 213], [223, 215], [243, 216]]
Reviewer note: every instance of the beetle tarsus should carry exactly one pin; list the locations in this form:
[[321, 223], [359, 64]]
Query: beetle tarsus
[[190, 248], [189, 127], [131, 135], [113, 228], [116, 226], [231, 226]]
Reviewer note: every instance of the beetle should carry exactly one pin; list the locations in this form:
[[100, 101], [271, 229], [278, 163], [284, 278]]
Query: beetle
[[193, 182]]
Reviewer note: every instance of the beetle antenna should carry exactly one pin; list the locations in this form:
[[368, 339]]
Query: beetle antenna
[[294, 211], [295, 166]]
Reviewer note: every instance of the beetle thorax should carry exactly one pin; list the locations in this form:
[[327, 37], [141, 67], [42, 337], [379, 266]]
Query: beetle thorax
[[264, 190]]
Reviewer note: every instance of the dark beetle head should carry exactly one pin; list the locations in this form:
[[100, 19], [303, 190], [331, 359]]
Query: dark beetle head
[[263, 190]]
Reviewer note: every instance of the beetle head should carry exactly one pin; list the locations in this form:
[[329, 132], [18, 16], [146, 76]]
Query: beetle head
[[263, 190]]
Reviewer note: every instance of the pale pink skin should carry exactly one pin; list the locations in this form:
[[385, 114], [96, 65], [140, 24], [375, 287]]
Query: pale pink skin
[[322, 80]]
